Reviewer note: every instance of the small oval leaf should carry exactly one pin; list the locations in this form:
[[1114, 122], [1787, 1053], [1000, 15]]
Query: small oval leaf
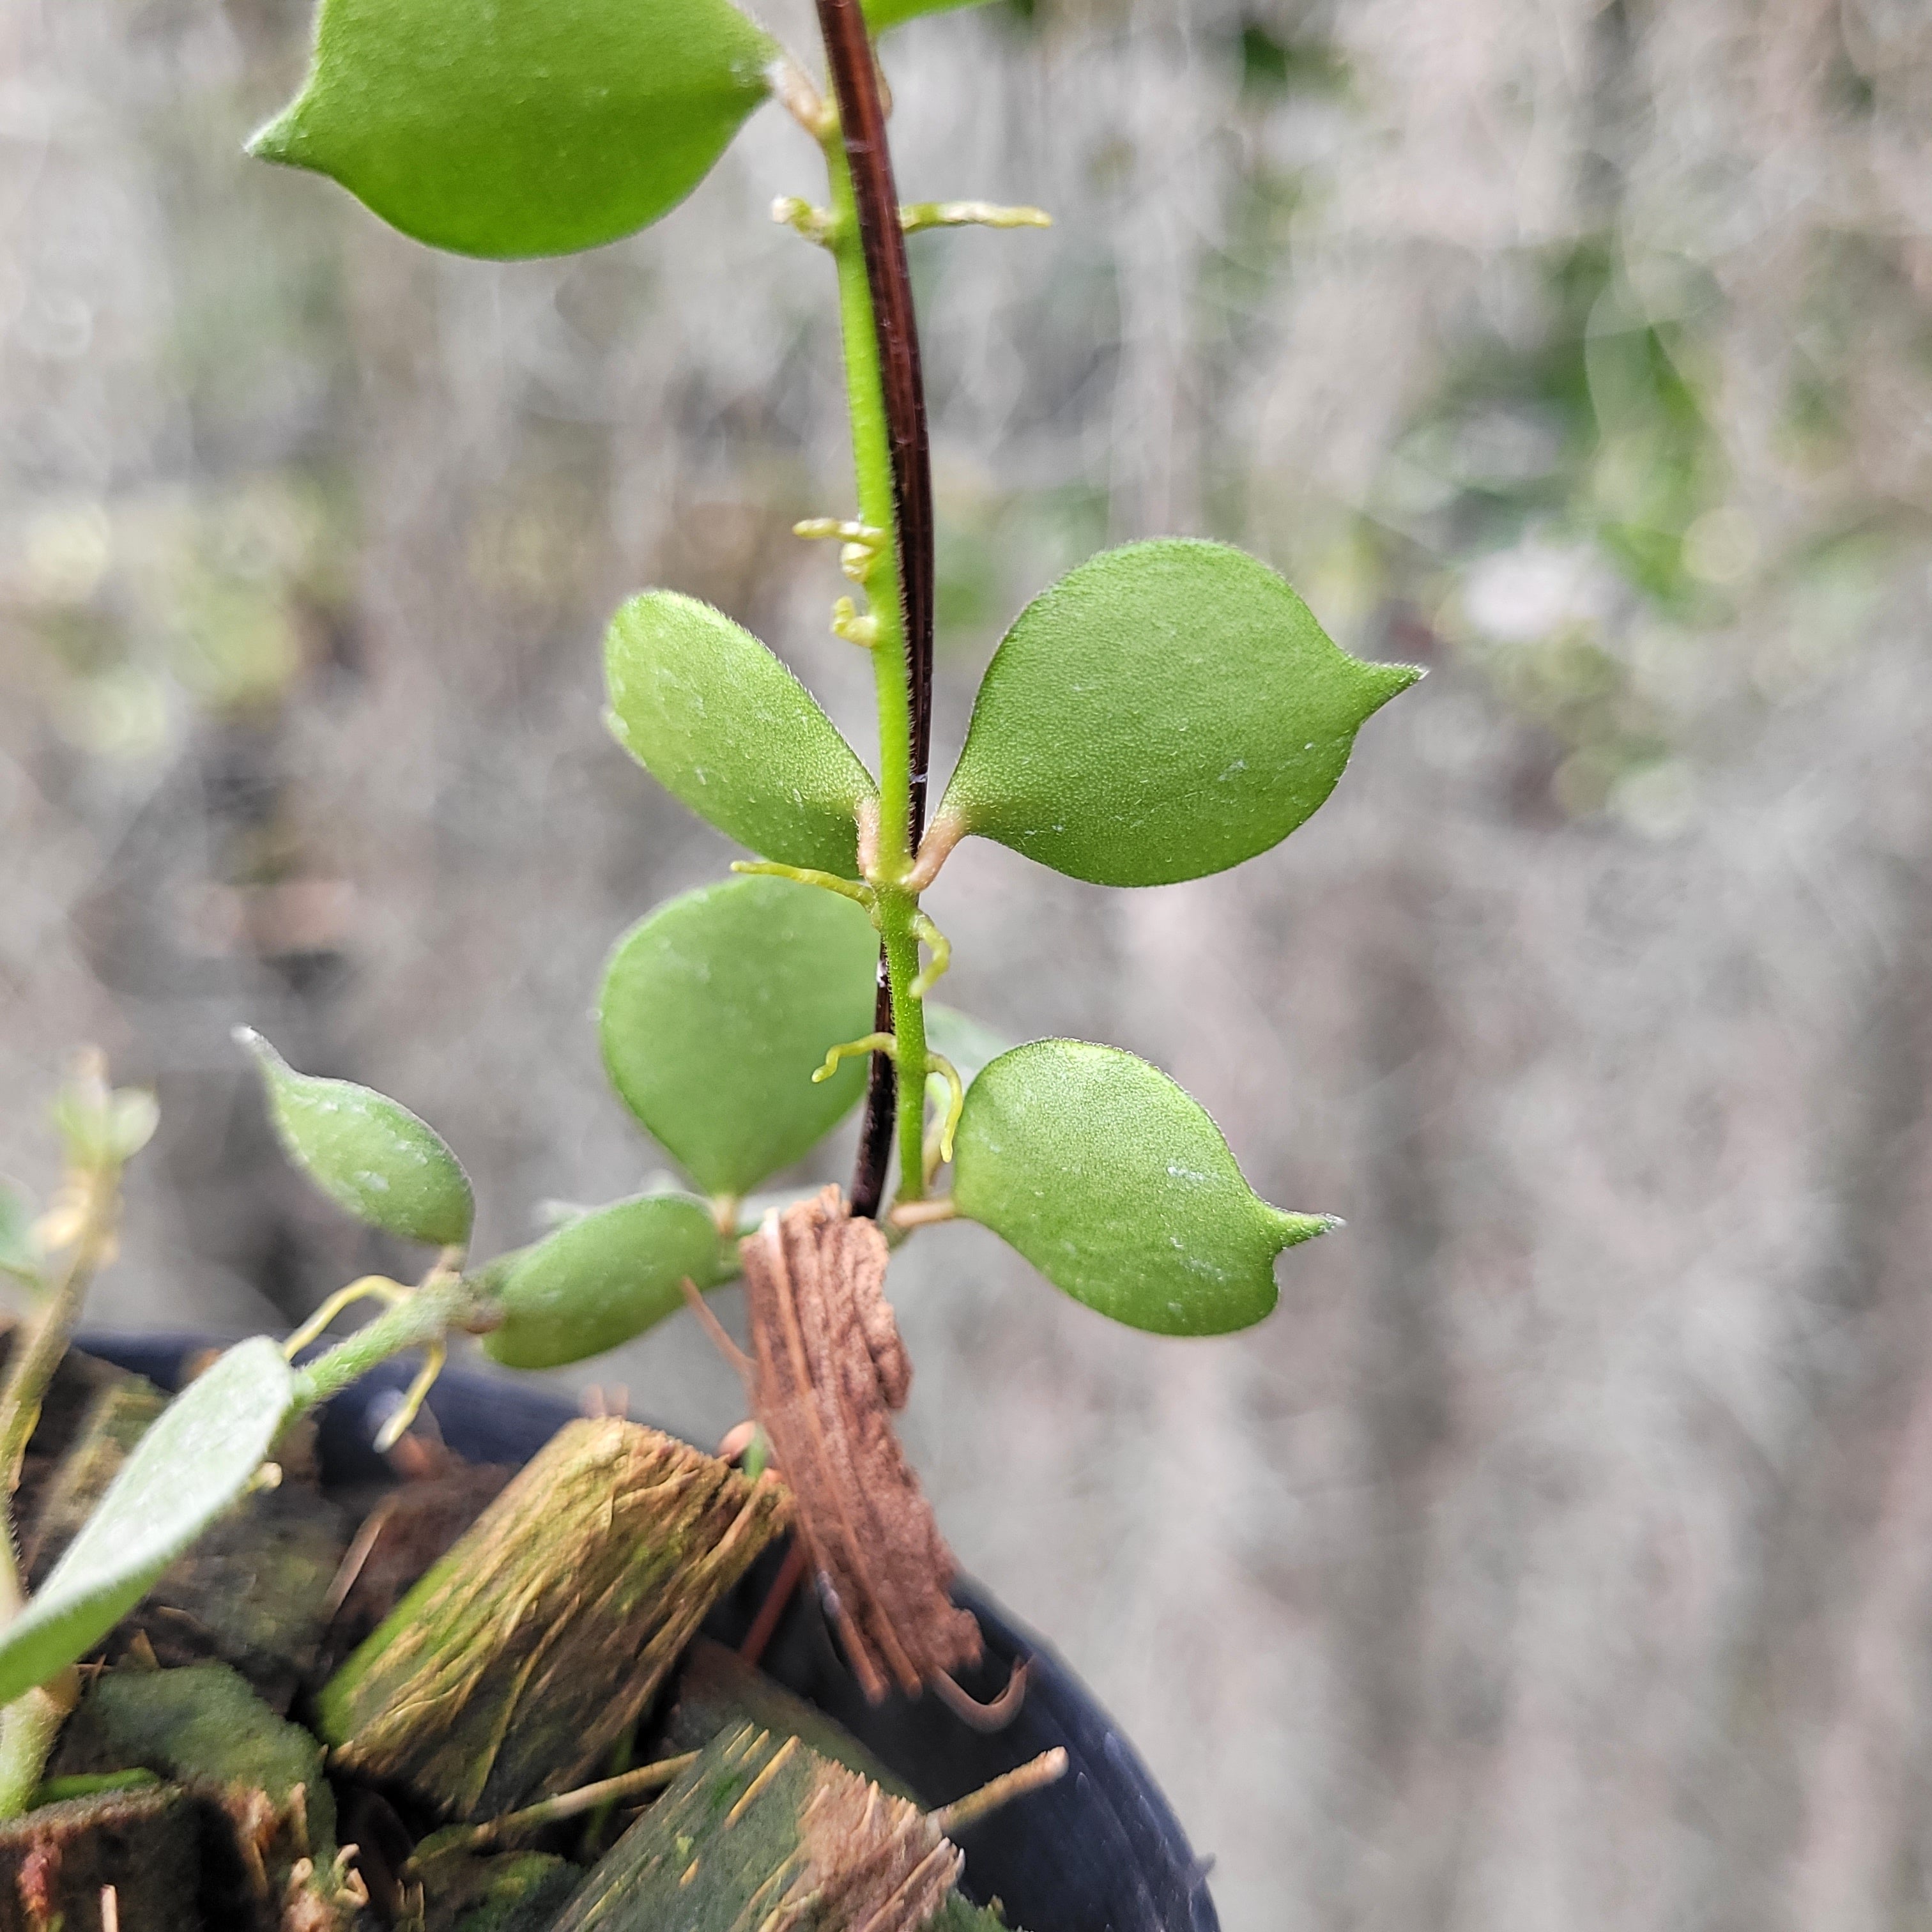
[[1164, 711], [366, 1152], [602, 1278], [722, 725], [1116, 1185], [196, 1460], [717, 1009], [522, 127]]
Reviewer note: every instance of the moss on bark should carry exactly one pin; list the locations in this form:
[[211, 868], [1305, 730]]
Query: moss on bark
[[523, 1656]]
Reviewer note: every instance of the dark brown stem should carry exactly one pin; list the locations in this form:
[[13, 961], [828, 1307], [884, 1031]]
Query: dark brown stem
[[862, 120], [875, 1123]]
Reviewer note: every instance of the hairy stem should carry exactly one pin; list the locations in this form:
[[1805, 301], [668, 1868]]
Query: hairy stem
[[887, 402], [869, 183], [896, 910], [878, 506], [442, 1303], [39, 1354], [29, 1727]]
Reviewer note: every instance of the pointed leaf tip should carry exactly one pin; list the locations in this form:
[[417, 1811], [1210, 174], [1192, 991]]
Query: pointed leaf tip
[[368, 1154], [1164, 711], [1296, 1228], [275, 140], [1118, 1187]]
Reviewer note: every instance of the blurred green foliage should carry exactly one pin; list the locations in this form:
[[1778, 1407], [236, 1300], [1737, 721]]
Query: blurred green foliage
[[160, 607]]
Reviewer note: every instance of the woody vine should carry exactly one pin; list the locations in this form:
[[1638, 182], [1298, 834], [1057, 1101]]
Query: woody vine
[[1167, 709]]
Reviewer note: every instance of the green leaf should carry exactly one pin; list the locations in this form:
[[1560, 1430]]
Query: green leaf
[[721, 723], [511, 127], [367, 1153], [1119, 1189], [19, 1252], [601, 1278], [194, 1461], [880, 14], [1164, 711], [716, 1010]]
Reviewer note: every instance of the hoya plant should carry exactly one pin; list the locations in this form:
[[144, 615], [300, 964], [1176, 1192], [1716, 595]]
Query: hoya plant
[[1166, 710]]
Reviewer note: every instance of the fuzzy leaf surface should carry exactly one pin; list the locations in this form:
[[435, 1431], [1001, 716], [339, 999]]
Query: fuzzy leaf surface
[[368, 1154], [1118, 1187], [603, 1278], [716, 1008], [190, 1465], [722, 725], [1164, 711], [515, 128]]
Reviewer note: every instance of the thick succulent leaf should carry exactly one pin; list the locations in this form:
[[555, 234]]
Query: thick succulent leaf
[[1164, 711], [716, 1010], [720, 723], [601, 1278], [366, 1152], [197, 1460], [880, 14], [1117, 1186], [510, 128]]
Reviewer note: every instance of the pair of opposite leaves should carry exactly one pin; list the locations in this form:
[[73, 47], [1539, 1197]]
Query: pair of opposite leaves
[[1167, 710], [716, 1008], [714, 1012]]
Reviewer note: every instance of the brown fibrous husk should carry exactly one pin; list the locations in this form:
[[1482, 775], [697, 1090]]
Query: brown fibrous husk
[[827, 1373]]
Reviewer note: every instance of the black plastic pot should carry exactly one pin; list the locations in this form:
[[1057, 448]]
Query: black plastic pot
[[1098, 1851]]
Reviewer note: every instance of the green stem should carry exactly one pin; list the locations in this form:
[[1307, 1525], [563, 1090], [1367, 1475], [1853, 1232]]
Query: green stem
[[28, 1728], [872, 467], [878, 507], [30, 1724], [40, 1355], [897, 909], [897, 905], [442, 1303]]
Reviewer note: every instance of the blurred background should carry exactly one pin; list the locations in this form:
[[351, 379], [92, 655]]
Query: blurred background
[[1560, 1554]]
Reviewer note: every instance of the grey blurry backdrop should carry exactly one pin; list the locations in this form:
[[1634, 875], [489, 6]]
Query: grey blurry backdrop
[[1560, 1553]]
